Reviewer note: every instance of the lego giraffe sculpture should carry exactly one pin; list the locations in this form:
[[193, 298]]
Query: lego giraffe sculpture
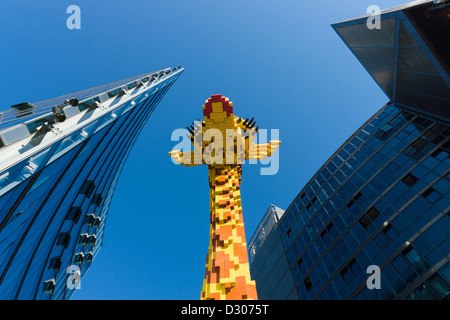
[[227, 274]]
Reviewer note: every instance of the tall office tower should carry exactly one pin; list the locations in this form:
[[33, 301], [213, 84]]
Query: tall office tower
[[60, 160], [383, 197], [268, 260]]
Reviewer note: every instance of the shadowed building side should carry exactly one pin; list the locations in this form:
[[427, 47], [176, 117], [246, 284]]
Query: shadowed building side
[[59, 166]]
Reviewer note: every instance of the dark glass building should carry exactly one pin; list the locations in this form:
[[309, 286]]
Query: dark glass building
[[268, 259], [383, 197], [59, 165]]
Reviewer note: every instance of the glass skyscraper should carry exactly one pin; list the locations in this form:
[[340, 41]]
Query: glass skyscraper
[[383, 197], [268, 259], [60, 160]]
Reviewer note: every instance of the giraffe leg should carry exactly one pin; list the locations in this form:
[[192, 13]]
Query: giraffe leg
[[227, 274]]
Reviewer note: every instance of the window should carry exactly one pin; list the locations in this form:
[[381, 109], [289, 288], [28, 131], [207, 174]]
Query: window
[[384, 132], [317, 222], [350, 271], [423, 292], [55, 263], [87, 188], [315, 202], [392, 167], [380, 240], [83, 239], [329, 233], [346, 275], [440, 154], [332, 230], [351, 205], [32, 126], [436, 134], [301, 265], [303, 197], [446, 145], [289, 232], [377, 157], [421, 122], [49, 286], [356, 198], [89, 256], [400, 265], [364, 221], [89, 219], [78, 259], [91, 239], [390, 232], [92, 220], [410, 179], [413, 150], [373, 213], [308, 283], [325, 237], [97, 199], [85, 105], [439, 285], [86, 239], [411, 255], [367, 219], [354, 266], [113, 93], [74, 214], [63, 239], [431, 195], [96, 99]]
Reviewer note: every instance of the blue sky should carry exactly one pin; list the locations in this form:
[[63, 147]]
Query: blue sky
[[278, 61]]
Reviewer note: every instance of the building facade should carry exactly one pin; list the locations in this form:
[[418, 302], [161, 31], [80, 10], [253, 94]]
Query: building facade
[[383, 197], [60, 160], [268, 260]]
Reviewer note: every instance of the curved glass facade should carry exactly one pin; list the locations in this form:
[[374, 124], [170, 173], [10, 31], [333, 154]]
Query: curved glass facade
[[382, 199], [54, 204]]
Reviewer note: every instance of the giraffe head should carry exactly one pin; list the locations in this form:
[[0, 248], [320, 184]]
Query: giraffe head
[[217, 109]]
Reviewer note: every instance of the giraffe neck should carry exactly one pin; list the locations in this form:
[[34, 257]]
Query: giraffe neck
[[227, 274]]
